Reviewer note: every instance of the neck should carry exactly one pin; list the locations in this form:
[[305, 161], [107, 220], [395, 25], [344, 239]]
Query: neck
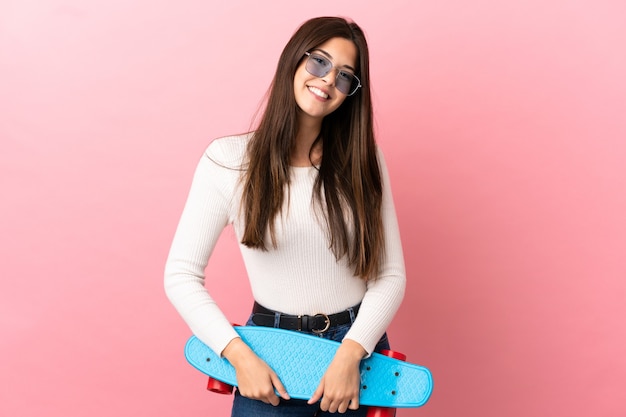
[[303, 153]]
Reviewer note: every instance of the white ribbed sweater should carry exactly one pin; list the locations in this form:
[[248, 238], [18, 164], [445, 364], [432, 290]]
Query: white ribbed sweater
[[300, 276]]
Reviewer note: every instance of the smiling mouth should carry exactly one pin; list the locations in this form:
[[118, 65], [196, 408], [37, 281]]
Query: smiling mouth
[[318, 92]]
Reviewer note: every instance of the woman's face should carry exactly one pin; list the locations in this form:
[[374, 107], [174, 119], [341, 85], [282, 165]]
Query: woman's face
[[317, 97]]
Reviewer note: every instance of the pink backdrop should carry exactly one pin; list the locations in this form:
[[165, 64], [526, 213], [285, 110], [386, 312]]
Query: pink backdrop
[[504, 126]]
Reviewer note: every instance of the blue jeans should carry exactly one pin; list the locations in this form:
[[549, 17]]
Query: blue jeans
[[245, 407]]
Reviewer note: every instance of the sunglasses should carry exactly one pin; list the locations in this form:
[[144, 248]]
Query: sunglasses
[[319, 66]]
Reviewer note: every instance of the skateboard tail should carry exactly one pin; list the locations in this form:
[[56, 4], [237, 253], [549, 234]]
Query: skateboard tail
[[386, 411]]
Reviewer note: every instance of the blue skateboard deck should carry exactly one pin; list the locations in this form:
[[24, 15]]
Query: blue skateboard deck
[[300, 360]]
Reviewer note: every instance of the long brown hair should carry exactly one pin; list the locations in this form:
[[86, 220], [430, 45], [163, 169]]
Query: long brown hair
[[349, 175]]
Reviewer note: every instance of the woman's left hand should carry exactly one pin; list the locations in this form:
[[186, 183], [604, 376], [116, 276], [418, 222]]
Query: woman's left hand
[[340, 386]]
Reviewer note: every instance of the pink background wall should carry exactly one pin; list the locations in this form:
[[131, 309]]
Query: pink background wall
[[504, 126]]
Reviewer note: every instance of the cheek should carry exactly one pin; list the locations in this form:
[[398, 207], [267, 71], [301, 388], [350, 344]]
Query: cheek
[[339, 101], [297, 81], [300, 76]]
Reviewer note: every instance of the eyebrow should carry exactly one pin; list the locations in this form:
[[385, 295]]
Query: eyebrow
[[329, 56]]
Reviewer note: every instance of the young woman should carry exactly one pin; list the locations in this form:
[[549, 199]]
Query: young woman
[[308, 195]]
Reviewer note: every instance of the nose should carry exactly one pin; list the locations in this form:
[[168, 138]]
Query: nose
[[330, 78]]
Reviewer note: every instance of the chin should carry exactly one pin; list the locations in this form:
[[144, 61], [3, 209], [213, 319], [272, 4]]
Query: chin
[[311, 113]]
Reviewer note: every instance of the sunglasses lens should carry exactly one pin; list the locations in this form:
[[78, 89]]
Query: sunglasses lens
[[344, 82], [319, 66]]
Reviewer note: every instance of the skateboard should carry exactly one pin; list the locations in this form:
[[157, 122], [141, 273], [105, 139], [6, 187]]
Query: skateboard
[[300, 360]]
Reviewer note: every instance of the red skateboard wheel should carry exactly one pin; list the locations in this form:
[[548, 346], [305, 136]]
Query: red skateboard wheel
[[393, 354], [219, 387], [381, 412]]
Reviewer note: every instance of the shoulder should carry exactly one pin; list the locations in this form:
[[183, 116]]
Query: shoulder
[[229, 151]]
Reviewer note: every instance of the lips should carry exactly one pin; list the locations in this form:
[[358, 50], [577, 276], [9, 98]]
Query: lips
[[318, 92]]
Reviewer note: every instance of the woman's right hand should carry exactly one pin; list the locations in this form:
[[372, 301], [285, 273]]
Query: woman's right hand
[[255, 379]]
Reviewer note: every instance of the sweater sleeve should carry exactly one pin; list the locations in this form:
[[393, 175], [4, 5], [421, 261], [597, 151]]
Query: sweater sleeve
[[384, 294], [206, 213]]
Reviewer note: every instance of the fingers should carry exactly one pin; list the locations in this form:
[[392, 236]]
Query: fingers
[[280, 388], [261, 392], [267, 392], [273, 399], [317, 395], [354, 403], [334, 402], [339, 405], [341, 383], [255, 379]]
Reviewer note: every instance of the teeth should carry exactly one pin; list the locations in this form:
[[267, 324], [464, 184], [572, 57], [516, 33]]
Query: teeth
[[318, 92]]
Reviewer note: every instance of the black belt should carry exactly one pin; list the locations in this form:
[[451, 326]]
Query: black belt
[[318, 323]]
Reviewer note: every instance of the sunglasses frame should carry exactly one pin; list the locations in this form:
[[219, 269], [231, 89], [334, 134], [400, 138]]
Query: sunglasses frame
[[358, 81]]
